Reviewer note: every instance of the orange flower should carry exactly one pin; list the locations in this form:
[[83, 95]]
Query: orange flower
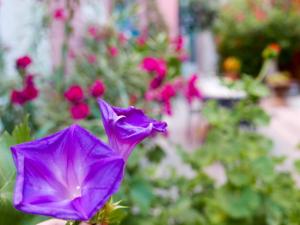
[[232, 64], [272, 51]]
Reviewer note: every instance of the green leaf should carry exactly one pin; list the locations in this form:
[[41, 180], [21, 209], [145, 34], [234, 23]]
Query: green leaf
[[239, 203], [297, 165], [21, 132], [141, 193], [263, 168]]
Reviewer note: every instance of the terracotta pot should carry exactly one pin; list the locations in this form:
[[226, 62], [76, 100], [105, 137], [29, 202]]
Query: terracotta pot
[[280, 93]]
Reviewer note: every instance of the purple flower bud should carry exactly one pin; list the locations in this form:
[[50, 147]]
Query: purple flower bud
[[126, 127]]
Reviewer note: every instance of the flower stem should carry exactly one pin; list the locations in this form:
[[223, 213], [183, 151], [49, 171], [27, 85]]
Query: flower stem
[[263, 72]]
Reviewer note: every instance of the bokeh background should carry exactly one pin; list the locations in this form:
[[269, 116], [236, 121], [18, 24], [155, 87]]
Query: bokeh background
[[224, 74]]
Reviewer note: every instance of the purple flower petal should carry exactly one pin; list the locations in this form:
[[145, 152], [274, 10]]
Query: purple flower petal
[[126, 127], [68, 175]]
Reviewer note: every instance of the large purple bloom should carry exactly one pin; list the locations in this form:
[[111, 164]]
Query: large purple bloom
[[126, 127], [68, 175]]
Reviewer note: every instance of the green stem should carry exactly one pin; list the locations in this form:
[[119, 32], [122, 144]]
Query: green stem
[[263, 72]]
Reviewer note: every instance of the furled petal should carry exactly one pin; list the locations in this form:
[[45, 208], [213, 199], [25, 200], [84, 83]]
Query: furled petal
[[68, 175], [126, 127]]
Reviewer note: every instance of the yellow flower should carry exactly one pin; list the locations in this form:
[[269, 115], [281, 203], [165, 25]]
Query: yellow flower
[[232, 64]]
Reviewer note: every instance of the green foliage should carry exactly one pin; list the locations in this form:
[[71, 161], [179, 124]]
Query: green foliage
[[243, 34], [254, 191]]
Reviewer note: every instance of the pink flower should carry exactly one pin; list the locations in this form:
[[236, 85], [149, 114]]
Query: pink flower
[[183, 56], [97, 89], [91, 58], [72, 54], [80, 111], [178, 43], [23, 62], [166, 94], [74, 94], [113, 51], [122, 38], [161, 69], [141, 40], [168, 108], [151, 95], [93, 31], [192, 92], [154, 65], [59, 14], [149, 64], [179, 83]]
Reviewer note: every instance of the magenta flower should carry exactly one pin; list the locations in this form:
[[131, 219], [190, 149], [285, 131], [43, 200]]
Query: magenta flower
[[59, 14], [23, 62], [192, 92], [113, 51], [156, 82], [28, 93], [154, 65], [178, 43], [79, 111], [97, 89], [74, 94], [149, 64], [68, 175], [126, 127], [166, 95]]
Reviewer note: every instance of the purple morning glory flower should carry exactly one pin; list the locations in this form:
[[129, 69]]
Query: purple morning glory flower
[[126, 127], [69, 175]]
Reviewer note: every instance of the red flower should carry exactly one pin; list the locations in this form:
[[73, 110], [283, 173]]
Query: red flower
[[74, 94], [275, 47], [23, 62], [29, 92], [272, 51], [113, 51], [59, 14], [17, 97], [260, 14], [133, 99], [97, 89], [192, 92], [80, 111]]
